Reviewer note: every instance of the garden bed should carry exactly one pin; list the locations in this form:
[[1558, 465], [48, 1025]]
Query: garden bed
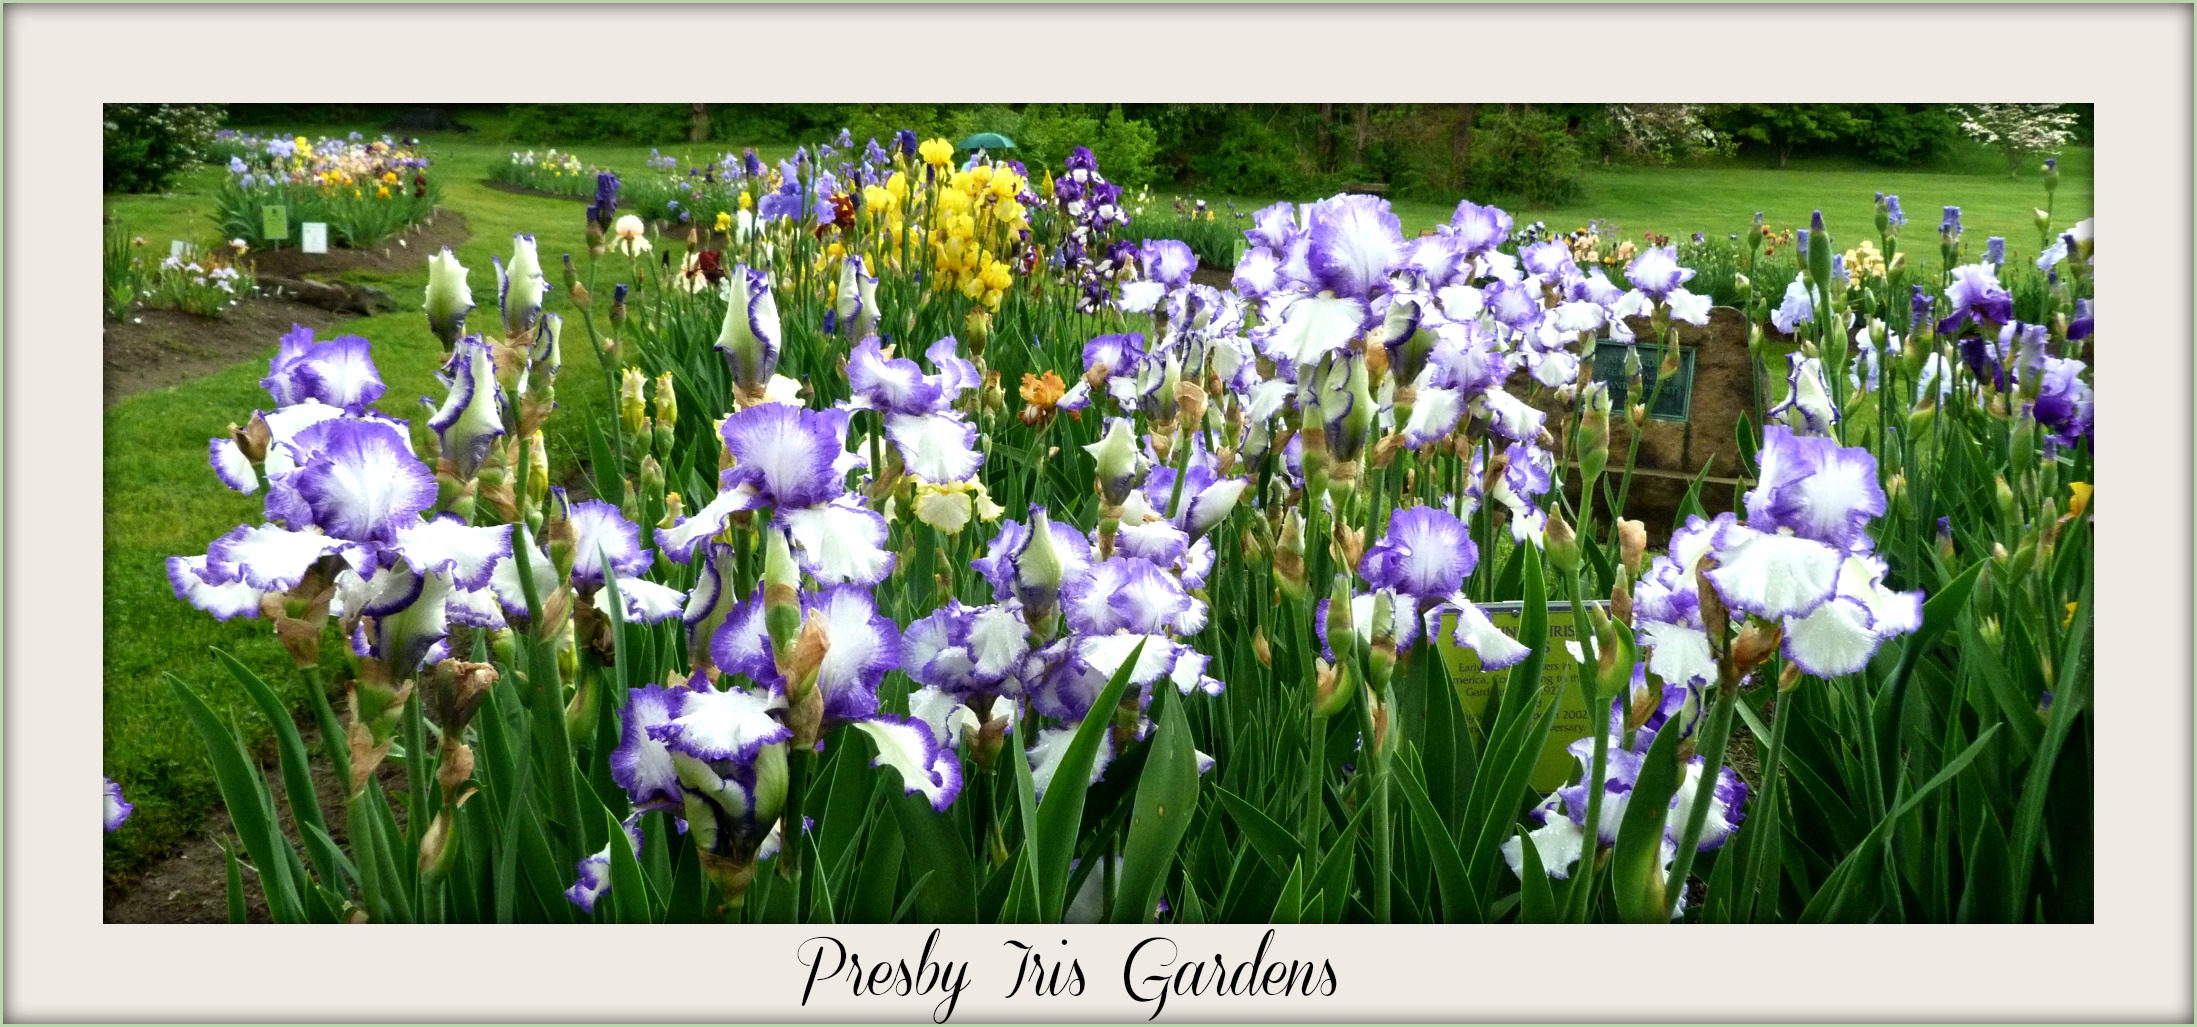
[[190, 885], [522, 190], [402, 253], [154, 349]]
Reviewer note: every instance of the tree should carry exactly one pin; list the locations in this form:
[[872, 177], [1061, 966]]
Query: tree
[[1783, 126], [2020, 131]]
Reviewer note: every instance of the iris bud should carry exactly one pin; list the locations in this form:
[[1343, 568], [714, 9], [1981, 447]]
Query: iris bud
[[781, 591], [449, 297], [1562, 543]]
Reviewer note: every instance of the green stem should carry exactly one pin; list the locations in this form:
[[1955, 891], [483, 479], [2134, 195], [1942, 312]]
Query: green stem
[[332, 737], [1719, 732], [1766, 818]]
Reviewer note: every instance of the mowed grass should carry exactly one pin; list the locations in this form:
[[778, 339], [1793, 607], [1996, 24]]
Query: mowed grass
[[161, 499], [1721, 199]]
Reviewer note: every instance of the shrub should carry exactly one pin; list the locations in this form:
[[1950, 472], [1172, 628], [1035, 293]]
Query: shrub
[[601, 122], [148, 144], [1903, 133], [1525, 153]]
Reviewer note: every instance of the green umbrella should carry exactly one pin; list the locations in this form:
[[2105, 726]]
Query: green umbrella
[[986, 141]]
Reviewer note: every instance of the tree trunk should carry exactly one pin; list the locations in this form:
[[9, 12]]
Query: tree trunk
[[1327, 136], [698, 129], [1359, 128], [1460, 147]]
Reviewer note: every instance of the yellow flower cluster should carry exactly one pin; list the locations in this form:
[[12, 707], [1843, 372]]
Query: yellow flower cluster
[[972, 221], [1864, 261], [978, 220]]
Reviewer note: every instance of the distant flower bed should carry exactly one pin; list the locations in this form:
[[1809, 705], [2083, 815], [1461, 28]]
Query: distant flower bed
[[203, 282], [549, 172], [364, 191]]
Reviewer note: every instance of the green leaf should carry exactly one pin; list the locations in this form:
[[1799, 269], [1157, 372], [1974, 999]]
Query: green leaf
[[1289, 909], [629, 899], [1536, 898], [1167, 797], [1459, 904], [297, 772], [2067, 707], [608, 487], [1273, 842], [251, 808], [1636, 867], [915, 892], [878, 876], [2018, 710], [1062, 811], [950, 898], [1748, 446], [1938, 613], [1830, 901], [237, 911], [1689, 505]]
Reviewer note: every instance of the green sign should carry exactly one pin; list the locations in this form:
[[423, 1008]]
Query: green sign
[[1239, 252], [1559, 679], [1672, 400], [274, 222]]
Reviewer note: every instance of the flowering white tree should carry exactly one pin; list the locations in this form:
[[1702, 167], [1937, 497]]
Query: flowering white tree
[[2018, 130]]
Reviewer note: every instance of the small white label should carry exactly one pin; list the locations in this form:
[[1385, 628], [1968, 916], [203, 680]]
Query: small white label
[[313, 236], [177, 248]]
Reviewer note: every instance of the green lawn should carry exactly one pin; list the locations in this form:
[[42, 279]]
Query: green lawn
[[1723, 199], [161, 499]]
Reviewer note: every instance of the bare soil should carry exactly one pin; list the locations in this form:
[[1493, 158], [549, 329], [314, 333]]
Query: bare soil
[[404, 252], [191, 886], [154, 349]]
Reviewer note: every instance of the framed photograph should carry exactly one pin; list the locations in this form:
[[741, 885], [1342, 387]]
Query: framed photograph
[[1144, 543]]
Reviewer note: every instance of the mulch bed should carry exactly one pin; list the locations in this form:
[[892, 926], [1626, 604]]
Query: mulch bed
[[400, 253]]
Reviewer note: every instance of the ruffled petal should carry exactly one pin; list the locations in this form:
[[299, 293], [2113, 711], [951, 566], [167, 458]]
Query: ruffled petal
[[679, 541], [1314, 326], [230, 465], [910, 748], [646, 602], [641, 764], [935, 447], [1052, 746], [363, 482], [224, 600], [723, 725], [1476, 632], [842, 542], [467, 553], [1678, 653], [864, 645], [601, 532], [788, 454], [1774, 576]]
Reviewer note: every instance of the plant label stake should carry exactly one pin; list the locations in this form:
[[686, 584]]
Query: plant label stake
[[177, 248], [274, 222], [1559, 680], [313, 237]]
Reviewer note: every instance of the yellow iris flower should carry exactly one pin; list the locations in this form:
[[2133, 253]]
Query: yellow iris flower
[[936, 151]]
